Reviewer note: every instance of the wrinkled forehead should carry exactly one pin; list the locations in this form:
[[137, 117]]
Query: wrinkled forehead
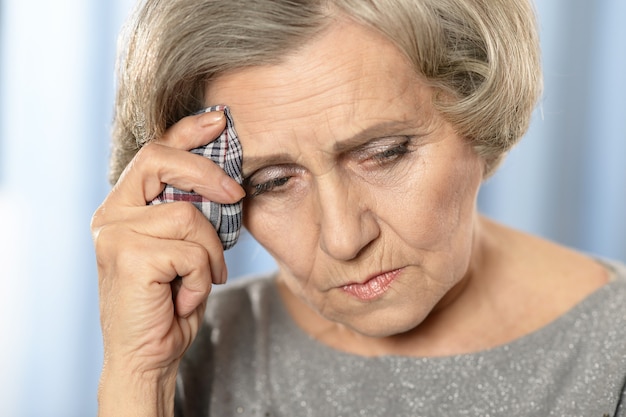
[[340, 83]]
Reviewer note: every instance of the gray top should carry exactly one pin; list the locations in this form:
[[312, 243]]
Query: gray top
[[251, 359]]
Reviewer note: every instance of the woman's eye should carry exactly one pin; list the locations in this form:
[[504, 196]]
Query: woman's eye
[[272, 179], [267, 186], [391, 154]]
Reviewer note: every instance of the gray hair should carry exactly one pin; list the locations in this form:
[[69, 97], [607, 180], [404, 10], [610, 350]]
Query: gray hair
[[481, 56]]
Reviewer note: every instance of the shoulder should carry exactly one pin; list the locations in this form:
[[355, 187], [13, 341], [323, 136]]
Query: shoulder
[[617, 270], [610, 299], [596, 321], [606, 306]]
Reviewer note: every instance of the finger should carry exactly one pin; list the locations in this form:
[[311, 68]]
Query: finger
[[188, 262], [192, 284], [156, 165], [179, 221], [194, 131], [182, 221], [192, 293], [145, 279]]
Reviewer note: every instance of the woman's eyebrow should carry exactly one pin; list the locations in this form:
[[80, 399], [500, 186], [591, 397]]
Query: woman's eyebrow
[[376, 131]]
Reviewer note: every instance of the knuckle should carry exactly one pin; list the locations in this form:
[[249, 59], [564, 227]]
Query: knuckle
[[186, 216], [106, 239], [180, 134], [183, 132], [198, 256], [97, 220], [146, 155], [119, 249]]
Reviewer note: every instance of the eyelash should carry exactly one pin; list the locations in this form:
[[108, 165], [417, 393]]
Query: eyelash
[[392, 154], [382, 158], [267, 186]]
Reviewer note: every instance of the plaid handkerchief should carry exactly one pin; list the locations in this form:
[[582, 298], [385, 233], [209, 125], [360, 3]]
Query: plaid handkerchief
[[226, 152]]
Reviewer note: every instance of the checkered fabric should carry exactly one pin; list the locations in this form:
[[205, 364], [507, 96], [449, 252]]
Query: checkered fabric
[[226, 152]]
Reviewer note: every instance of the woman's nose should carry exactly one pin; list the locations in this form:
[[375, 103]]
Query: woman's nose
[[347, 223]]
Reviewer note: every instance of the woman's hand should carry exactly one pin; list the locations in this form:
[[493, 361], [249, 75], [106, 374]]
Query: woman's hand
[[156, 265]]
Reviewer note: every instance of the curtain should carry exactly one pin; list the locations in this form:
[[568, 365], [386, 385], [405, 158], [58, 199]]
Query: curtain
[[566, 180]]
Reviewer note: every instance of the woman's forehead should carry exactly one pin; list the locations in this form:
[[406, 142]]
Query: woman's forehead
[[342, 83]]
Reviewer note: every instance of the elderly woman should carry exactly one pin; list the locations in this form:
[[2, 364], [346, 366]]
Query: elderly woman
[[367, 128]]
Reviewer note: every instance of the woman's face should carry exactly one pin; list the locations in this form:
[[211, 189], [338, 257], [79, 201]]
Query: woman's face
[[363, 194]]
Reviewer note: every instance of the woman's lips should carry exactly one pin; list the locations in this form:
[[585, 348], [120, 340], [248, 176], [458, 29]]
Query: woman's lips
[[374, 287]]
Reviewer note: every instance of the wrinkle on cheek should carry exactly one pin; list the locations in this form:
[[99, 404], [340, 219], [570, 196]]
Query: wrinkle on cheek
[[301, 285]]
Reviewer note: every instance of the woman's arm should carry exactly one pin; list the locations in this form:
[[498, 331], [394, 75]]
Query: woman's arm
[[156, 266]]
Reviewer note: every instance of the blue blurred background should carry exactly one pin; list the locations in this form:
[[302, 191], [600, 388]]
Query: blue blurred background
[[566, 181]]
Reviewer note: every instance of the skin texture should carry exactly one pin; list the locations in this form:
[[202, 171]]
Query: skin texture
[[364, 195], [354, 211]]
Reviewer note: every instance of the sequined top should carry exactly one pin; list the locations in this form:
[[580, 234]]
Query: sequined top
[[250, 359]]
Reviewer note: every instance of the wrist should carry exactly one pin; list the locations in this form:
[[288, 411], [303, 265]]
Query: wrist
[[126, 393]]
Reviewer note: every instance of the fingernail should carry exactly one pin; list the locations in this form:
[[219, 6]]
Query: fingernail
[[211, 118], [232, 188]]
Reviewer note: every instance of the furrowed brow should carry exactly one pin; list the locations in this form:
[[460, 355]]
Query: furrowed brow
[[379, 130]]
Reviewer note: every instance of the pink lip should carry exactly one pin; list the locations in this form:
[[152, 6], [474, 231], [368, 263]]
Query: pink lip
[[373, 287]]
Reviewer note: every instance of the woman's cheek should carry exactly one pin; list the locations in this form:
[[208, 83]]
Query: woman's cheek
[[286, 231]]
